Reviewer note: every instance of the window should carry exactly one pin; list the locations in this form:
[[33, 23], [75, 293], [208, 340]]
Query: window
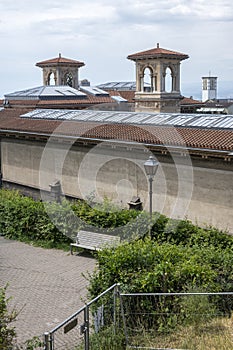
[[69, 79], [147, 80], [168, 80], [204, 84], [51, 79]]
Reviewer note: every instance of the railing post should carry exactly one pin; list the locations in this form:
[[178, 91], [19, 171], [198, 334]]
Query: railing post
[[48, 341], [114, 308], [123, 316], [115, 296], [87, 331]]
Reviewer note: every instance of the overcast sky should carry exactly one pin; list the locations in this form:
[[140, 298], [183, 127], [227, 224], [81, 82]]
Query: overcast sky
[[102, 33]]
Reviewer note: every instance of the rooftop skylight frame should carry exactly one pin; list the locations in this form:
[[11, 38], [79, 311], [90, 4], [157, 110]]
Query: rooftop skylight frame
[[184, 120]]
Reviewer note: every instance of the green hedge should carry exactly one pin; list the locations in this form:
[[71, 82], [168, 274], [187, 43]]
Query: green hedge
[[25, 219], [184, 232], [147, 266]]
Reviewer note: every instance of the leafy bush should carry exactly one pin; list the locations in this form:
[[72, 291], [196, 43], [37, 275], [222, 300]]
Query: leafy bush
[[146, 266], [103, 215], [23, 218], [56, 223], [7, 333], [184, 232], [149, 267]]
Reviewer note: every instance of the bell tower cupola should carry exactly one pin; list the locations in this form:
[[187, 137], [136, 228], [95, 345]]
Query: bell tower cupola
[[158, 80], [61, 71]]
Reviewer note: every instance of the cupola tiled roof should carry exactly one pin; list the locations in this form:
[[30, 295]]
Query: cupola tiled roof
[[157, 52], [60, 61]]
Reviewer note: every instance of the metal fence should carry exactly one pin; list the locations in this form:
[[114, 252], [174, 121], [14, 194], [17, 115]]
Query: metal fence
[[75, 331], [163, 321], [193, 321]]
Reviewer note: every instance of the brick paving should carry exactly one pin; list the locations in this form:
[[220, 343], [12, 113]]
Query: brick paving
[[46, 285]]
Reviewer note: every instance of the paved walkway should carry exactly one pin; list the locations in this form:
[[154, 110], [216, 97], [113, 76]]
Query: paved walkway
[[46, 285]]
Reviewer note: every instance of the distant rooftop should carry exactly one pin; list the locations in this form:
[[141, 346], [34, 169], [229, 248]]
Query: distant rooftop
[[118, 85]]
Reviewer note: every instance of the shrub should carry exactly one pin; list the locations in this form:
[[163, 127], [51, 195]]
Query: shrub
[[7, 333], [184, 232], [103, 215], [23, 218], [148, 267]]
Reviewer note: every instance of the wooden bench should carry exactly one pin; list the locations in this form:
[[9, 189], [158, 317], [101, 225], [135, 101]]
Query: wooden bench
[[94, 241]]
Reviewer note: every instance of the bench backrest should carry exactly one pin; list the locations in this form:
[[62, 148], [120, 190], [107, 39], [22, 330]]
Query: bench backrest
[[95, 239]]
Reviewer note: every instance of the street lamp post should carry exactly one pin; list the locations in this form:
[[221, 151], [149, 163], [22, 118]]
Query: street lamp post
[[151, 166]]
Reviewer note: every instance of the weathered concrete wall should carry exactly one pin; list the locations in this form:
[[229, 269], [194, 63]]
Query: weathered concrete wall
[[199, 189]]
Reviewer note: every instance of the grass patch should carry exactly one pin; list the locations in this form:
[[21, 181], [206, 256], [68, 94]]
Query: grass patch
[[106, 339], [214, 335]]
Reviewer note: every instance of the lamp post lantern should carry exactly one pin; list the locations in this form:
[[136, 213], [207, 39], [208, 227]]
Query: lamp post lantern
[[151, 166]]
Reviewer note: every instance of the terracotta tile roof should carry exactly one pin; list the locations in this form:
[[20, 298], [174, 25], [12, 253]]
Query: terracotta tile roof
[[24, 103], [60, 61], [90, 100], [62, 103], [212, 139], [157, 52], [190, 101], [169, 136], [128, 95]]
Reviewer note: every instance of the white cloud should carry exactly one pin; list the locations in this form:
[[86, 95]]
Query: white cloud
[[103, 32], [216, 9]]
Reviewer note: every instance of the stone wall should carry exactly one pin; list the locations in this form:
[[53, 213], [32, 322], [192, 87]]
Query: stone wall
[[199, 189]]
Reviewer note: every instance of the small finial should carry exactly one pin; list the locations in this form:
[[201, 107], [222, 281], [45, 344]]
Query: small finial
[[59, 55], [157, 45]]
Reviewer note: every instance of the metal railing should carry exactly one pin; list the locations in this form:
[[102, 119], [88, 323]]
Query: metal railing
[[75, 330], [149, 321]]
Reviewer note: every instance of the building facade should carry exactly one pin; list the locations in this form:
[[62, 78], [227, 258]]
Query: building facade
[[102, 154]]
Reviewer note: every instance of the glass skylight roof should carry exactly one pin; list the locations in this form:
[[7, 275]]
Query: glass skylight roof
[[168, 119], [119, 99], [94, 90], [46, 91], [120, 85]]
